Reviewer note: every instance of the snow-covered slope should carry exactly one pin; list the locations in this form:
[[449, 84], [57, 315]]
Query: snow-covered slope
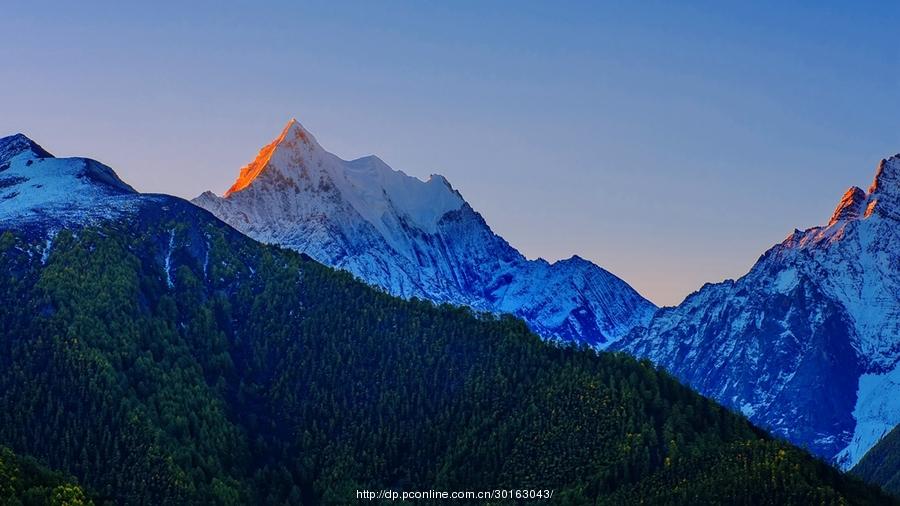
[[416, 239], [37, 188], [808, 342]]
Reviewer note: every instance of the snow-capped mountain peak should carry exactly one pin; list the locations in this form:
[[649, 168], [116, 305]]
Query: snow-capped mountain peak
[[850, 207], [416, 238], [294, 144], [19, 144], [884, 194], [36, 186], [807, 343], [295, 162]]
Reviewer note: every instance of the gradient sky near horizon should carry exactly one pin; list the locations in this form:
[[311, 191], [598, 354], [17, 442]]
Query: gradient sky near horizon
[[670, 142]]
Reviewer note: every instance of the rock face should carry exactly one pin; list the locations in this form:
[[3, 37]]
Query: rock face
[[807, 343], [417, 238]]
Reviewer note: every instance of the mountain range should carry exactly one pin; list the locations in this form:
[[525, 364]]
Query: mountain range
[[150, 350], [157, 355], [805, 344], [417, 238]]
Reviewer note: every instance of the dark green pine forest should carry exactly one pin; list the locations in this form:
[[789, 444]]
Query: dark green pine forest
[[24, 482], [247, 374]]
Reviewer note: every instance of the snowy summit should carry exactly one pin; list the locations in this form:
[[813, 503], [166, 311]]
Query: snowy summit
[[38, 188], [416, 238], [807, 343]]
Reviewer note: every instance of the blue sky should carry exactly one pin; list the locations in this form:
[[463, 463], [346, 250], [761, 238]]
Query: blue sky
[[670, 142]]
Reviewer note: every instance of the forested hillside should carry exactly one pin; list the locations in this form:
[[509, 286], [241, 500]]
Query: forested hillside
[[24, 482], [881, 465], [165, 359]]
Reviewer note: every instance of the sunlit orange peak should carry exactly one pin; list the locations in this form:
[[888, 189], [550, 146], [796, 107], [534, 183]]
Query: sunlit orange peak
[[253, 169]]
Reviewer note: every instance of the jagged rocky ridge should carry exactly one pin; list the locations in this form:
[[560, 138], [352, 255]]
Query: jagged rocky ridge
[[807, 343], [417, 239]]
